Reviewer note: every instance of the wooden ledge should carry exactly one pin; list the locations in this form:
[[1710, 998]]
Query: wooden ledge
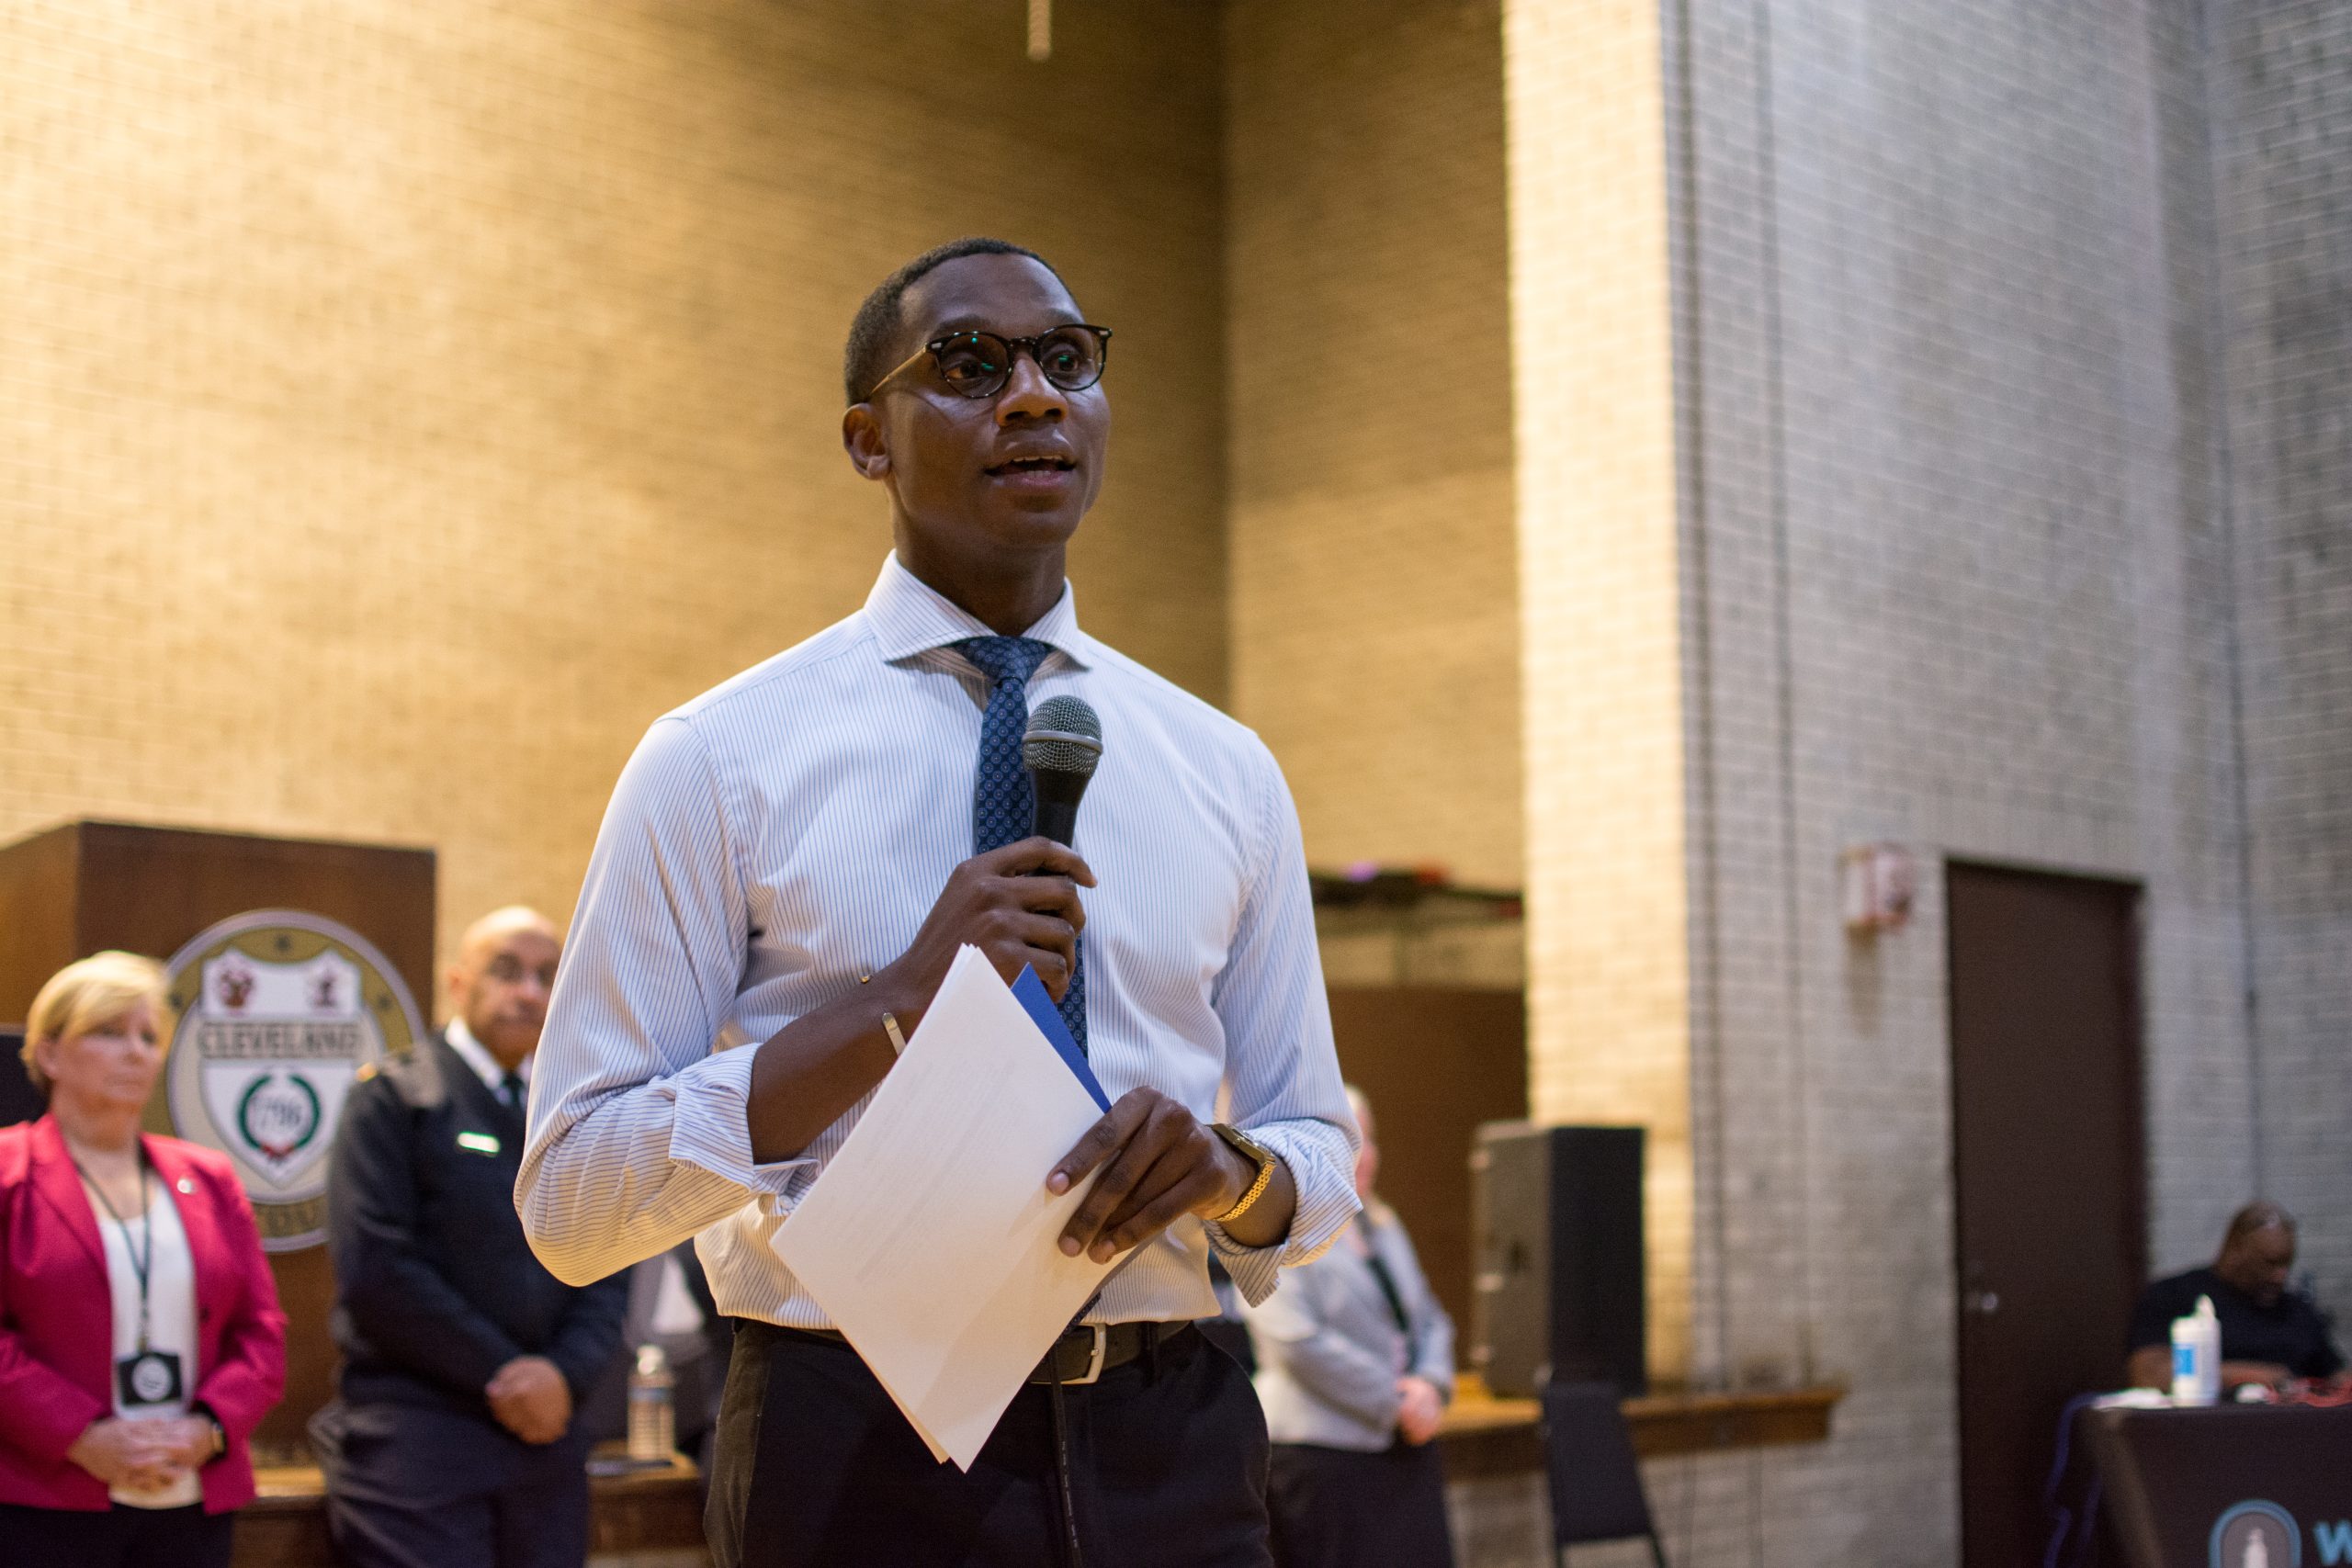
[[641, 1510], [285, 1526], [1486, 1436]]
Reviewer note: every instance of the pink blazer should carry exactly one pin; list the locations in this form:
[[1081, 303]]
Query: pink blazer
[[57, 1322]]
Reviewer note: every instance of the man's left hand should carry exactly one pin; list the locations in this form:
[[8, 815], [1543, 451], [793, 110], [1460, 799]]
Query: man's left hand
[[1159, 1164]]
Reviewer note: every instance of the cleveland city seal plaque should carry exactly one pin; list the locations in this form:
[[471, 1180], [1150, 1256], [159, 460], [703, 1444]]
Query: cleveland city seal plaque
[[273, 1014]]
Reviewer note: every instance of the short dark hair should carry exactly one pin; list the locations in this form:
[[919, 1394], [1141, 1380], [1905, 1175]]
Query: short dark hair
[[874, 331]]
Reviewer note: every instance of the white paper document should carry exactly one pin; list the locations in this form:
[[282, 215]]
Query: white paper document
[[929, 1239]]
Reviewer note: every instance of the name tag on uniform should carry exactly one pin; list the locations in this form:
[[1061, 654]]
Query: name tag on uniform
[[480, 1143]]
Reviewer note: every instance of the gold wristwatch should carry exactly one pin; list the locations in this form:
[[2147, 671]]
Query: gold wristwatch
[[1263, 1156]]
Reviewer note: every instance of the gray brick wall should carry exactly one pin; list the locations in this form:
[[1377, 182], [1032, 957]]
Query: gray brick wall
[[2282, 92], [1958, 573]]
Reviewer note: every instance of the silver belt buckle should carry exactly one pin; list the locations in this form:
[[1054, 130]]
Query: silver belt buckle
[[1101, 1349]]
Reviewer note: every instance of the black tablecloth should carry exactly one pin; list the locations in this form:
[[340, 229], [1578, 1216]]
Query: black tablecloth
[[2230, 1486]]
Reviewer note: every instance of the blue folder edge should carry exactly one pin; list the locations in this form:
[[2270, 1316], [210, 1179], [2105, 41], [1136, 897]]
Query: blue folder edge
[[1029, 991]]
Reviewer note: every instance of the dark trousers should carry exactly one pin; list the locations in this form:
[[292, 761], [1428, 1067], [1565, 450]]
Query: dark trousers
[[818, 1468], [413, 1487], [1339, 1508], [119, 1537]]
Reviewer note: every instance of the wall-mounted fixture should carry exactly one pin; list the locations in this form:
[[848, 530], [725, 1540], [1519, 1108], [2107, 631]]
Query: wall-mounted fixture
[[1875, 886]]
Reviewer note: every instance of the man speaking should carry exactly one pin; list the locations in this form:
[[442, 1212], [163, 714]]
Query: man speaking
[[790, 861]]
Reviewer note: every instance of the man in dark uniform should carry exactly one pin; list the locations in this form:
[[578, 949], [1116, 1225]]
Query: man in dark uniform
[[453, 1443], [2269, 1334]]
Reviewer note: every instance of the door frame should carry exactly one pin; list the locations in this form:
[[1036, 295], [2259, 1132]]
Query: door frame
[[2136, 1197]]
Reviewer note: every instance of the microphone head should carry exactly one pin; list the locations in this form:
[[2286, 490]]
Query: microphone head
[[1064, 737]]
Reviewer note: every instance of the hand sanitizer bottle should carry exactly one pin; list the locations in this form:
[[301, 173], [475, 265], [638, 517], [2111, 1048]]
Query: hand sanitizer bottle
[[2196, 1356]]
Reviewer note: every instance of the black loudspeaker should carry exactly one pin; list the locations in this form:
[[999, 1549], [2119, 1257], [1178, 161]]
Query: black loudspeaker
[[19, 1100], [1557, 1216]]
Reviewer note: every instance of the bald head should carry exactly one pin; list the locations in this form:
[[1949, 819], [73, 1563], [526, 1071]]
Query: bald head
[[2258, 1251], [500, 982]]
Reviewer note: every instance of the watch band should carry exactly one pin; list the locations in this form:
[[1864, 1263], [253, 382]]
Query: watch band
[[1256, 1151]]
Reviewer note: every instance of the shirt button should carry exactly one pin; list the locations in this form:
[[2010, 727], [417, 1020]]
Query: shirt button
[[186, 1187]]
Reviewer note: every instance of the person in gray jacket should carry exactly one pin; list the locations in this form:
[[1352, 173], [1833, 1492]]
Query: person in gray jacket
[[1355, 1365]]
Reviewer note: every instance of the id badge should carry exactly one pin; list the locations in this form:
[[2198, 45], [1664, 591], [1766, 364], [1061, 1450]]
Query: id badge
[[150, 1376]]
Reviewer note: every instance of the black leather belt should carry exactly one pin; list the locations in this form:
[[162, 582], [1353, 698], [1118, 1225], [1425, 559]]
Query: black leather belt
[[1082, 1354]]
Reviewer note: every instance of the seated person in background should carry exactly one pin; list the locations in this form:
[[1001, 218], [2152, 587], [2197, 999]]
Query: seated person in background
[[2269, 1334], [453, 1442], [1355, 1363]]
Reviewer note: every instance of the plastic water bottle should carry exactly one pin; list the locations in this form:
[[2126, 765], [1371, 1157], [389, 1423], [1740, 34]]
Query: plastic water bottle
[[652, 1418], [2196, 1356]]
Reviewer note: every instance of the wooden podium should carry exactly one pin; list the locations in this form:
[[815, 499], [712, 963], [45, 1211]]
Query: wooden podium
[[73, 890]]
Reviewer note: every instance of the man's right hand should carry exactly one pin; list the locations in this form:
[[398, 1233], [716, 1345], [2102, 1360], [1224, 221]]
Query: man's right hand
[[1420, 1408], [1018, 905], [530, 1399]]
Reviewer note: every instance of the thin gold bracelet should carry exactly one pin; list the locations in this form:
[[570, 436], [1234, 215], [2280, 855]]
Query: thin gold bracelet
[[889, 1026], [1257, 1191]]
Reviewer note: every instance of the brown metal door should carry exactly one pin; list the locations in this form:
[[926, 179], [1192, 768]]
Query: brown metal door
[[2048, 1180], [1435, 1062]]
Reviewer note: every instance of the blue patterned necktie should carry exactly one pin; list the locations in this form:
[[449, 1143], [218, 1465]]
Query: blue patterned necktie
[[1004, 802]]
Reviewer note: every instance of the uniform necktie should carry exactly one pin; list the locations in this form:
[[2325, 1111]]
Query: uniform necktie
[[512, 1089], [1003, 800]]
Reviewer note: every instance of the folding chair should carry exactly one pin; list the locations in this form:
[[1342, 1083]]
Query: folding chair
[[1595, 1483]]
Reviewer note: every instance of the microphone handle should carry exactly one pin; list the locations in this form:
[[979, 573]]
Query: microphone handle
[[1055, 819], [1056, 793]]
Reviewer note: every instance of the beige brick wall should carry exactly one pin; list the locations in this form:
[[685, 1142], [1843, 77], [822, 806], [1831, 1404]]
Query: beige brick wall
[[1593, 390], [402, 402], [1373, 642]]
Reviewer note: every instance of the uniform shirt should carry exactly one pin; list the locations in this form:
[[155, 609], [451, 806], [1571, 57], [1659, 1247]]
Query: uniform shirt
[[1329, 1349], [2289, 1333], [476, 1055], [435, 1286], [158, 1239], [785, 833]]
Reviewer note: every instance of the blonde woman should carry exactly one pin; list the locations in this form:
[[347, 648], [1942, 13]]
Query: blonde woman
[[1355, 1365], [141, 1340]]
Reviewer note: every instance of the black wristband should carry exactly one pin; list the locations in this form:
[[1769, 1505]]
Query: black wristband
[[220, 1433]]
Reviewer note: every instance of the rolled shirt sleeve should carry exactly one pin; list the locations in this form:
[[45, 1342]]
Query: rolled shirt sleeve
[[1282, 1066], [639, 1136]]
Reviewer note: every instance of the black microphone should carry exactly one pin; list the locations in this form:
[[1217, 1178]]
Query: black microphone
[[1063, 744]]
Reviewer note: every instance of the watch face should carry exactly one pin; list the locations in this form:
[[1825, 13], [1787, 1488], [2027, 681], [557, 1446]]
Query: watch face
[[1258, 1153]]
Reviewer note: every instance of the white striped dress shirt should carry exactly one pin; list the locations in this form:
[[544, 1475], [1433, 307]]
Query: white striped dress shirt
[[786, 832]]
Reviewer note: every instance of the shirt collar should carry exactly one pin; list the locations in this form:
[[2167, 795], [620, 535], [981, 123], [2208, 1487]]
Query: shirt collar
[[909, 617], [476, 1055]]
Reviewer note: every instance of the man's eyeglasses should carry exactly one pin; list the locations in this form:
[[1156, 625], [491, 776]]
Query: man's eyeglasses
[[978, 364]]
